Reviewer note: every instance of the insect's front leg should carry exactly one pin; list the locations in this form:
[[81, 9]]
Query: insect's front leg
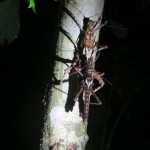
[[76, 21], [68, 35], [100, 80], [73, 17], [102, 47]]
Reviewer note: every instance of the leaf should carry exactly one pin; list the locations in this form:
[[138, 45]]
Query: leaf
[[9, 21], [32, 5]]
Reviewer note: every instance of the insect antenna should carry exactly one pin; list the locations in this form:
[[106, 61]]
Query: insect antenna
[[121, 28], [107, 80], [97, 21], [77, 9], [82, 13]]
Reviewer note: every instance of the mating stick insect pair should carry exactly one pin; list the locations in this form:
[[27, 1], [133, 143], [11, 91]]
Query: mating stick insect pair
[[87, 48]]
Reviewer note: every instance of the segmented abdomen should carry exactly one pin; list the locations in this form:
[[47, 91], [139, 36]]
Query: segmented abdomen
[[87, 93]]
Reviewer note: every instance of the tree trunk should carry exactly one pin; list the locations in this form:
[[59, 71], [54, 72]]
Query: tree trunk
[[64, 128]]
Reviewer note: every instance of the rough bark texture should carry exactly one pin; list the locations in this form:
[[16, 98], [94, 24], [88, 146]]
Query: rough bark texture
[[65, 130]]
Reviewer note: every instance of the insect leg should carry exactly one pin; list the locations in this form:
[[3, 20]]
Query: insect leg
[[78, 69], [97, 22], [66, 71], [68, 36], [100, 80], [76, 61], [103, 24], [73, 17], [97, 98], [101, 47], [78, 94]]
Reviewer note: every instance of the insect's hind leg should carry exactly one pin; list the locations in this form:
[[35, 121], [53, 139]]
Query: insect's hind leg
[[78, 94], [99, 102]]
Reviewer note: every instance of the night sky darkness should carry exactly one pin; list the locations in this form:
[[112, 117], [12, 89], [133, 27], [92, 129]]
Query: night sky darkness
[[122, 122]]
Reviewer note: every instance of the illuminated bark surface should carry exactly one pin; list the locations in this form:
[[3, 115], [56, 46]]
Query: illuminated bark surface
[[64, 128]]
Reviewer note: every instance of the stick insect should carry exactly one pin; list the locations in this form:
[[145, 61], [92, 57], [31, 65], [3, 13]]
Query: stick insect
[[86, 41], [87, 34], [87, 88], [86, 46]]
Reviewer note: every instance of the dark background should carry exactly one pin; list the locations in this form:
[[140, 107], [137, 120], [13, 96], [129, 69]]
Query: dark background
[[122, 122]]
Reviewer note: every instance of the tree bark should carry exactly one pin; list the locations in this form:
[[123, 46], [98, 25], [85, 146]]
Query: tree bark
[[65, 130]]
